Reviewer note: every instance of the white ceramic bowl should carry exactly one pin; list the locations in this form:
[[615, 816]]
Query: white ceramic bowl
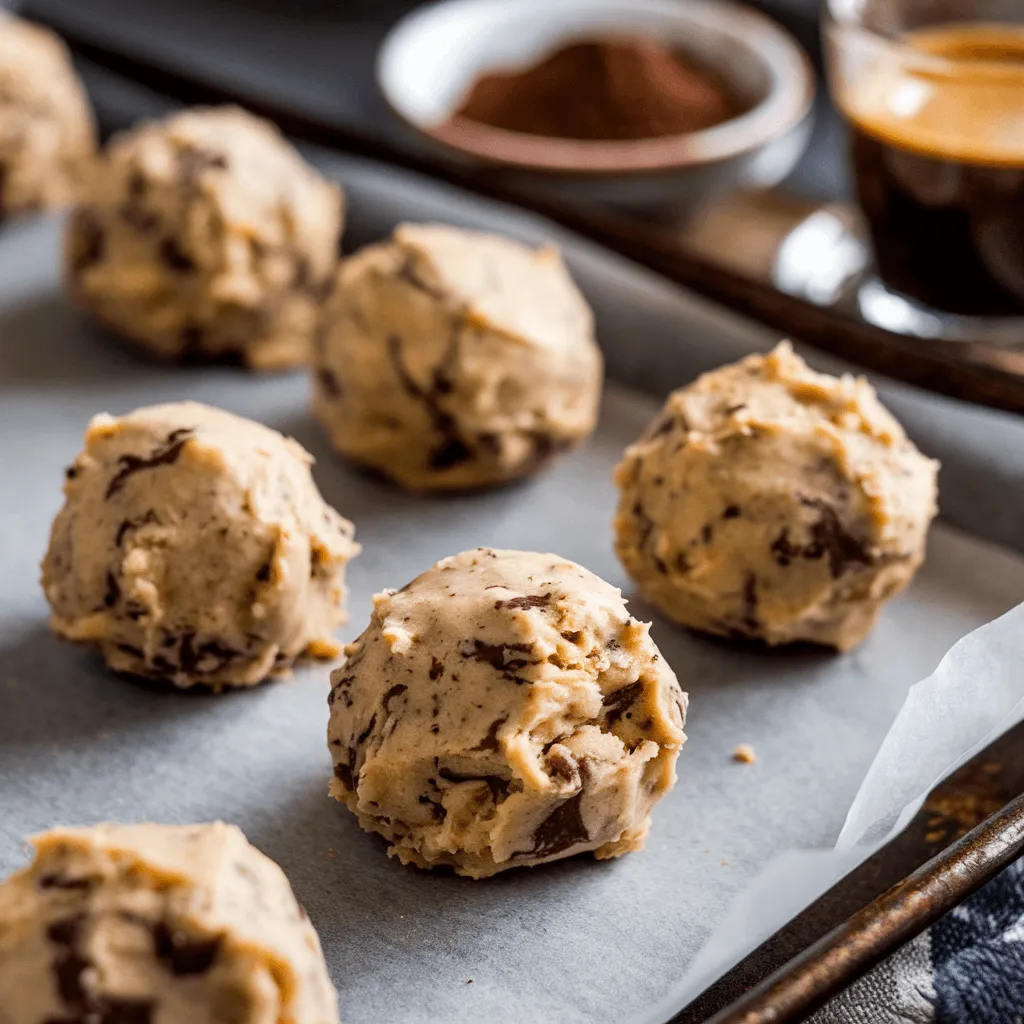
[[432, 57]]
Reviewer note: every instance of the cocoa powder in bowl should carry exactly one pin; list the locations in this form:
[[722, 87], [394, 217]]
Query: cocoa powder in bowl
[[603, 89]]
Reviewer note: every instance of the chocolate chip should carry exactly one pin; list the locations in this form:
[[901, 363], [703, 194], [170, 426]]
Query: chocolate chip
[[572, 635], [125, 1011], [436, 668], [706, 533], [532, 601], [564, 766], [138, 217], [498, 657], [135, 652], [361, 738], [497, 784], [452, 449], [263, 573], [620, 701], [88, 241], [343, 773], [302, 274], [407, 272], [395, 691], [489, 442], [172, 256], [182, 954], [188, 658], [328, 382], [750, 603], [165, 455], [661, 426], [137, 184], [490, 741], [113, 593], [829, 538], [193, 161], [450, 453], [52, 880], [731, 512], [70, 473], [69, 963], [561, 829]]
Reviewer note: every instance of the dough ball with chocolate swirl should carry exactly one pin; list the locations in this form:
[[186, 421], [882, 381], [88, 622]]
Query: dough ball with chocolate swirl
[[771, 502], [501, 710], [194, 547], [206, 237], [157, 924], [452, 360], [47, 131]]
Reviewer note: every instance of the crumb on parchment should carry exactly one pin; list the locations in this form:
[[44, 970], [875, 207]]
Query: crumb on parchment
[[744, 754]]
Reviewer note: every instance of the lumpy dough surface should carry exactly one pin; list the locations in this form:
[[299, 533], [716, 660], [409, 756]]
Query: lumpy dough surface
[[504, 709], [47, 133], [206, 236], [194, 547], [451, 359], [157, 924], [772, 502]]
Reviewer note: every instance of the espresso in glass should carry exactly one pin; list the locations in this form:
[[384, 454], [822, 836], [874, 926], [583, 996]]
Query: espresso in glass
[[937, 125]]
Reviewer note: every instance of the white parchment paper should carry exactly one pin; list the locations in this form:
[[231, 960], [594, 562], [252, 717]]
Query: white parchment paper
[[975, 695], [578, 941]]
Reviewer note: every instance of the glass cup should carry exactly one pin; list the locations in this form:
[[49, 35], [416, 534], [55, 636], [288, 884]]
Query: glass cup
[[933, 92]]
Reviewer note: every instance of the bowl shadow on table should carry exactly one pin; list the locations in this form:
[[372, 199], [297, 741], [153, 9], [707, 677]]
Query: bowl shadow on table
[[57, 694]]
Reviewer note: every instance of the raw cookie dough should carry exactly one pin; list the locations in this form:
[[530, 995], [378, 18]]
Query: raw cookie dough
[[206, 236], [194, 547], [451, 360], [504, 709], [47, 133], [156, 924], [772, 502]]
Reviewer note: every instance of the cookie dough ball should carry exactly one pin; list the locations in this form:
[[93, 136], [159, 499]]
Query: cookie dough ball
[[47, 133], [194, 547], [501, 710], [452, 360], [206, 236], [772, 502], [155, 924]]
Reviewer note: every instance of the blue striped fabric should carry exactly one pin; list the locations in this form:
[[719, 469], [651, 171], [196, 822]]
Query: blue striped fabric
[[967, 969]]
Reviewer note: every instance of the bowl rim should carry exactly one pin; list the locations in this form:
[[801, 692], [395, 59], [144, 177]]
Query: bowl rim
[[788, 101]]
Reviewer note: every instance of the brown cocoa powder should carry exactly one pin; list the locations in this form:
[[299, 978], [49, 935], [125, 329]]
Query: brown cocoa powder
[[603, 89]]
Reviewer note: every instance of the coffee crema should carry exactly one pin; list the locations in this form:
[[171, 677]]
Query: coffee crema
[[938, 159]]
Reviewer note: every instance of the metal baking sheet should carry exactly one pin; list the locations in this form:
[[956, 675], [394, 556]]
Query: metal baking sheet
[[578, 941]]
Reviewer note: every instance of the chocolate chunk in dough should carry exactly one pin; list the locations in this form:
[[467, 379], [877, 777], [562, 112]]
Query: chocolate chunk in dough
[[184, 924], [556, 736], [789, 507], [194, 547], [454, 360]]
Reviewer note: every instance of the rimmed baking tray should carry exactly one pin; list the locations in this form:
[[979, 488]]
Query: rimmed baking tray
[[576, 941]]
